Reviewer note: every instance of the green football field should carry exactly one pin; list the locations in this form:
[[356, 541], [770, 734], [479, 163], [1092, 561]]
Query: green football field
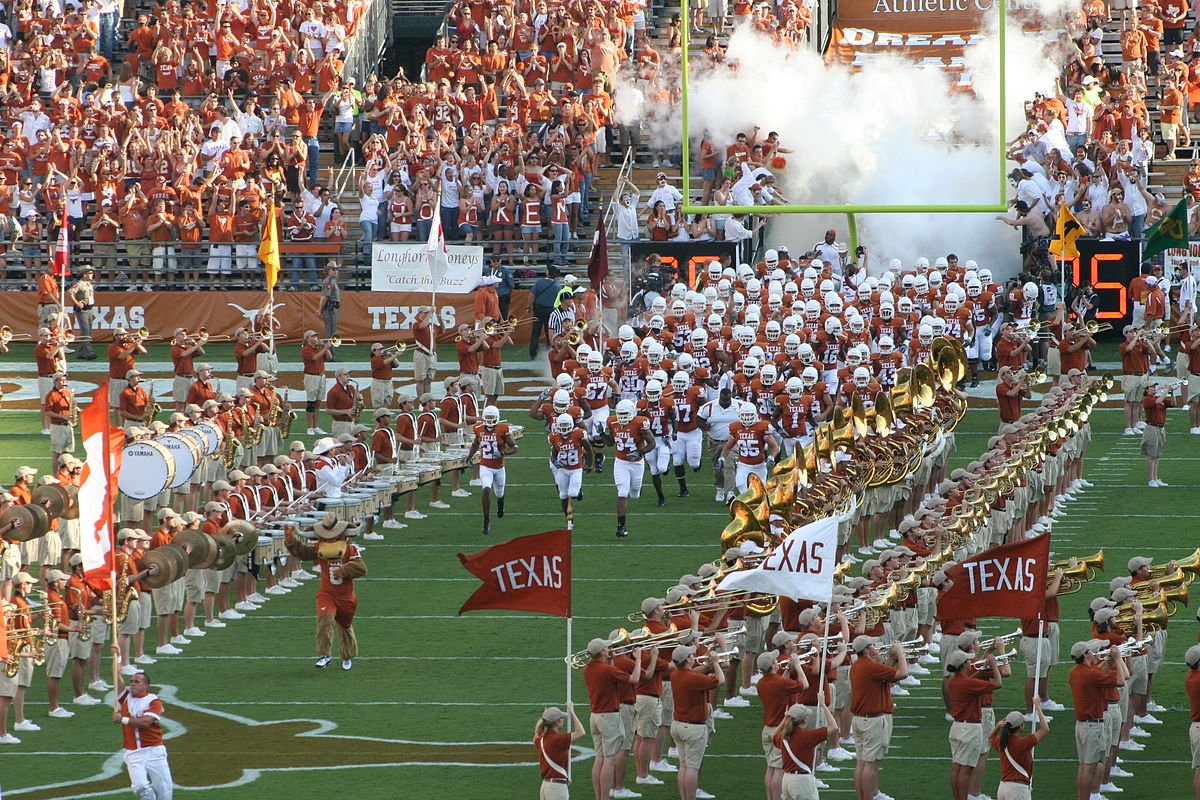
[[444, 706]]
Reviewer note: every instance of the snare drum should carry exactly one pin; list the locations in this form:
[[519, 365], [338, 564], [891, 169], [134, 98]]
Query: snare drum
[[278, 548], [368, 504], [336, 505], [262, 550], [146, 469], [353, 509]]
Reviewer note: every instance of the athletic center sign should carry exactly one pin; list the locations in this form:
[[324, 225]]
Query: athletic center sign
[[933, 33], [404, 267]]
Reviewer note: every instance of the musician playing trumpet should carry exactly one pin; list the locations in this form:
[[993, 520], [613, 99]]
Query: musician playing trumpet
[[122, 355], [383, 362], [1188, 368], [1154, 437], [184, 349]]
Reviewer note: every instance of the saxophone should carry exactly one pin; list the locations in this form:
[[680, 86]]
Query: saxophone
[[356, 409], [126, 594], [152, 408], [73, 413]]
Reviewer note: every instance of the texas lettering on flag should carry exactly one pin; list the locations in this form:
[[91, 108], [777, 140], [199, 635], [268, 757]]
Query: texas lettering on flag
[[800, 568], [529, 573], [1005, 581]]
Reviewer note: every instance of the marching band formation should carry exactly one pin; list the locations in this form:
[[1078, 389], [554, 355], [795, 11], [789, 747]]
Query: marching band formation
[[808, 395]]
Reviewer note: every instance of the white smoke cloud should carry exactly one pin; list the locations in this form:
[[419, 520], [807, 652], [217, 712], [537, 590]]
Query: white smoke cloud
[[887, 134]]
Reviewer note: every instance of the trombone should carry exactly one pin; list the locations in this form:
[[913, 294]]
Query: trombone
[[395, 350], [628, 641], [143, 335], [1094, 327], [7, 335], [336, 341]]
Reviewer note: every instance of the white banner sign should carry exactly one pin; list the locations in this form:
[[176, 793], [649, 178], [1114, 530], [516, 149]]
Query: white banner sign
[[404, 267], [800, 568]]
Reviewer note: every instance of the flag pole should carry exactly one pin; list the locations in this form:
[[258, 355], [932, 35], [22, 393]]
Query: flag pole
[[824, 653], [1037, 669], [570, 620], [116, 662]]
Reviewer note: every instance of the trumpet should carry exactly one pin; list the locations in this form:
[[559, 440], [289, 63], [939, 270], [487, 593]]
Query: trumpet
[[7, 335], [704, 658], [1003, 639], [395, 350], [1126, 648], [1171, 387], [1001, 659], [1037, 376]]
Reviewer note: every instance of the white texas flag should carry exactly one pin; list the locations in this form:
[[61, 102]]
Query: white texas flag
[[800, 568]]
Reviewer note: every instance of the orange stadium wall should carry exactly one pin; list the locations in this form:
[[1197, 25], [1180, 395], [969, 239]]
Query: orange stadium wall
[[365, 316]]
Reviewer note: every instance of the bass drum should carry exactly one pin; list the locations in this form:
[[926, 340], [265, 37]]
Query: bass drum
[[213, 436], [187, 455], [146, 469]]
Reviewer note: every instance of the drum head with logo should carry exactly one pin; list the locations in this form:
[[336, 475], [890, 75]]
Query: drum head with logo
[[146, 469], [187, 455], [212, 434]]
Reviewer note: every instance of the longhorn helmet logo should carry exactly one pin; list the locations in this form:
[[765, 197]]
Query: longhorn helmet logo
[[251, 314]]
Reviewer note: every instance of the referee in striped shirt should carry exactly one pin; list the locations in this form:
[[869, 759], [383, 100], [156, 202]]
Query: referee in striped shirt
[[562, 318]]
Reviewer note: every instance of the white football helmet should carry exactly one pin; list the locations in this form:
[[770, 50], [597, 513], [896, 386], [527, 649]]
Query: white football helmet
[[582, 352], [564, 381], [658, 306], [699, 338], [714, 271], [808, 288], [935, 278], [625, 332], [833, 303], [791, 345], [680, 382], [714, 324], [985, 275], [744, 335], [771, 258], [686, 362], [886, 344], [925, 334], [655, 354], [626, 411], [750, 367], [491, 416], [657, 323], [564, 424], [887, 311], [812, 310], [595, 361], [974, 289], [775, 302], [794, 387], [862, 377], [654, 391], [748, 414], [753, 289], [833, 326], [809, 376], [562, 401], [629, 354], [678, 292], [772, 330], [806, 353], [768, 375]]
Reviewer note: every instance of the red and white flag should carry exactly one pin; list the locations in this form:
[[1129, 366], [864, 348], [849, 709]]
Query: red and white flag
[[529, 573], [98, 490], [1005, 581], [61, 264]]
